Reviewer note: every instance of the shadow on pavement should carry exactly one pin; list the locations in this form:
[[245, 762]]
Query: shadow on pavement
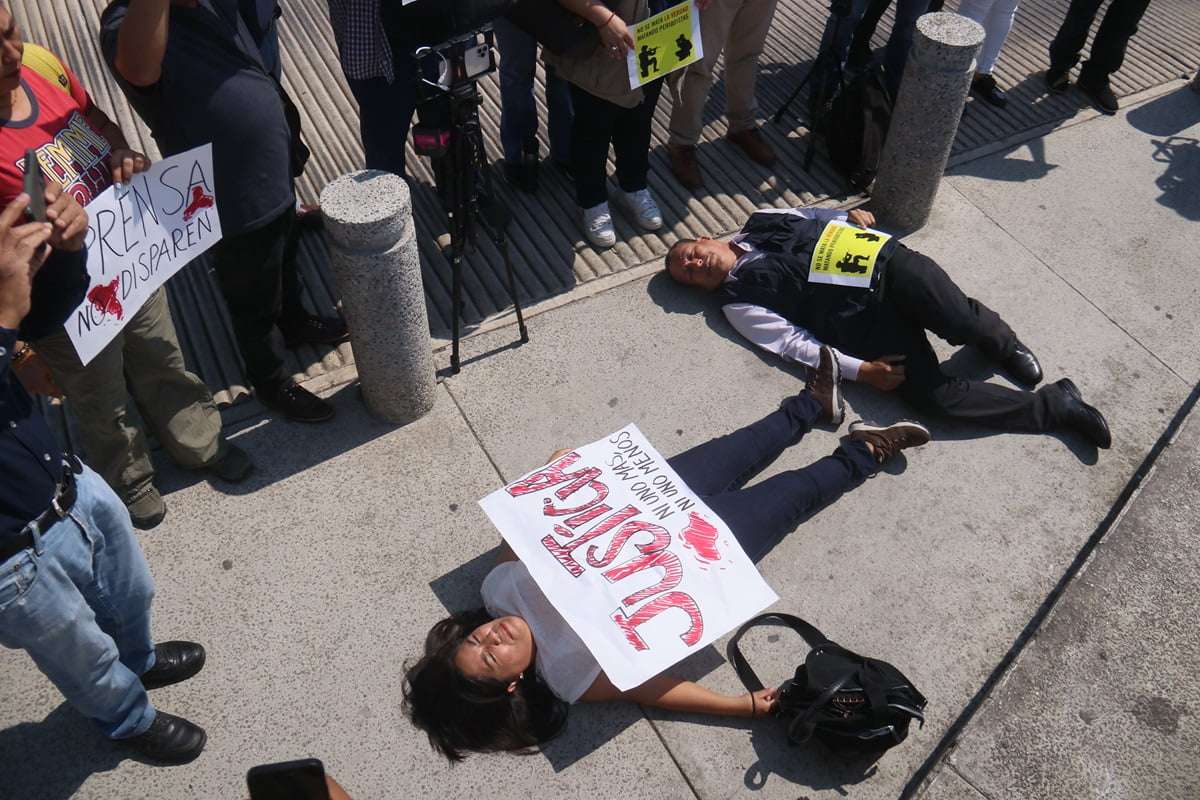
[[51, 759], [1167, 116]]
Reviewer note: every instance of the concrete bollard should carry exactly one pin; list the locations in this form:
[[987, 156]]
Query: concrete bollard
[[932, 93], [373, 252]]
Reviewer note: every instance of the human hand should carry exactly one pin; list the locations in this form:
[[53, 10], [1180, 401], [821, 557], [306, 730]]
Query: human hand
[[762, 702], [34, 374], [861, 217], [68, 218], [22, 252], [615, 37], [884, 373], [126, 163], [557, 454], [336, 792]]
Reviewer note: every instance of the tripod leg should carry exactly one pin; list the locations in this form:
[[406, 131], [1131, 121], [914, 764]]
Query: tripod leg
[[455, 306], [502, 241]]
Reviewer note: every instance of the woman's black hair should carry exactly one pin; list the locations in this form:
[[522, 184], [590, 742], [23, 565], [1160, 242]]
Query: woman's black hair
[[462, 714]]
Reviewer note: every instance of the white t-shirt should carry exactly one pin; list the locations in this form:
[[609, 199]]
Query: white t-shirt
[[562, 659]]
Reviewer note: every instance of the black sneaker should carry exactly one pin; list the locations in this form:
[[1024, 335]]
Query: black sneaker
[[1100, 93], [312, 329], [295, 402], [233, 467], [1058, 79], [170, 740]]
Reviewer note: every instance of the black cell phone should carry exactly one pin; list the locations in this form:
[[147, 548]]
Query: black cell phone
[[35, 187], [288, 780]]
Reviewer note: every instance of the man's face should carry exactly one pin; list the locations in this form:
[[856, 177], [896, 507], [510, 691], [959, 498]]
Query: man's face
[[11, 51], [703, 263]]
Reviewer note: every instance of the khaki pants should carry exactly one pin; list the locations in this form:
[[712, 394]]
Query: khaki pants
[[174, 402], [739, 27]]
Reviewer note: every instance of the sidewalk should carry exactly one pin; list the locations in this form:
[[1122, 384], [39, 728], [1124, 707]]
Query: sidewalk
[[313, 584]]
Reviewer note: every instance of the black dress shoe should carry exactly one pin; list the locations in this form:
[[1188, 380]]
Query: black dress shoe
[[233, 467], [294, 402], [173, 662], [1023, 365], [1058, 79], [1083, 418], [312, 329], [170, 740], [984, 87], [1099, 92]]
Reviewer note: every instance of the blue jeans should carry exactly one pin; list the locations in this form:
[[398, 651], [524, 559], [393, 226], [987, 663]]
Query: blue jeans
[[518, 109], [764, 513], [78, 602]]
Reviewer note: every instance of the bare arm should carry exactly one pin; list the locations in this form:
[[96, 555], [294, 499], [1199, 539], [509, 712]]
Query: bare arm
[[142, 41], [675, 694], [613, 33]]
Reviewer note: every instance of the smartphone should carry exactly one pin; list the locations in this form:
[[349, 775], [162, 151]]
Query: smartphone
[[35, 187], [288, 780]]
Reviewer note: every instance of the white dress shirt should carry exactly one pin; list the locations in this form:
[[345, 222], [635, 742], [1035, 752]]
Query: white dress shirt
[[769, 330]]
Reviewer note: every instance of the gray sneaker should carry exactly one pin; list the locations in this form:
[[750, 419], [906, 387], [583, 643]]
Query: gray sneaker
[[147, 509], [641, 206]]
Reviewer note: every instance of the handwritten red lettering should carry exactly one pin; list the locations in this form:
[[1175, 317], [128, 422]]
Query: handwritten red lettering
[[562, 552], [669, 563], [660, 538], [649, 611]]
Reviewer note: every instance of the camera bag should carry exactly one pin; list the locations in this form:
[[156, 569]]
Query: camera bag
[[847, 701]]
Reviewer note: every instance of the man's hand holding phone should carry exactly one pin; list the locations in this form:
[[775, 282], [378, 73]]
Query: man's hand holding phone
[[22, 252]]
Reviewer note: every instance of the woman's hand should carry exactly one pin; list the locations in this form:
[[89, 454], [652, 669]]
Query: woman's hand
[[125, 163], [884, 373], [616, 37], [861, 217], [761, 703], [68, 218], [557, 454]]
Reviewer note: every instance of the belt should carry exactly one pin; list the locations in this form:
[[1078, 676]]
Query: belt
[[64, 499]]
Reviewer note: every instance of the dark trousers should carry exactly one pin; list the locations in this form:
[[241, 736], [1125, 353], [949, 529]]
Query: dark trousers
[[518, 109], [1108, 48], [598, 123], [257, 274], [919, 296], [385, 113], [857, 28], [764, 513]]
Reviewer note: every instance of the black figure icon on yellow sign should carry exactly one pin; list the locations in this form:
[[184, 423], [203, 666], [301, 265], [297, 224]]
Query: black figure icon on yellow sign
[[647, 60], [852, 262], [685, 47]]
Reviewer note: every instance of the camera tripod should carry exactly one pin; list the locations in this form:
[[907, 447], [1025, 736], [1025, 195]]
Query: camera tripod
[[465, 189]]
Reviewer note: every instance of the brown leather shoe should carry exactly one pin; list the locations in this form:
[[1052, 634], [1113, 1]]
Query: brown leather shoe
[[685, 167], [754, 145], [888, 440], [825, 387]]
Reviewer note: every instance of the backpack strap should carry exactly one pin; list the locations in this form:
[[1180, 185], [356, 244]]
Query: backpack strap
[[745, 672]]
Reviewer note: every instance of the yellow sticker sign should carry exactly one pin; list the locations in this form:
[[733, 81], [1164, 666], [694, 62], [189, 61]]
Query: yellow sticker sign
[[846, 254], [668, 41]]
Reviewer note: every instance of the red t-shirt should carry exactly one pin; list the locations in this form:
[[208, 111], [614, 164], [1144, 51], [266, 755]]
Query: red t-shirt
[[70, 151]]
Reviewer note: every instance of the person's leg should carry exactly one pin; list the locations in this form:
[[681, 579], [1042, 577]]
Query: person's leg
[[996, 17], [385, 113], [1108, 48], [761, 515], [591, 132], [860, 46], [291, 299], [44, 611], [690, 87], [249, 272], [99, 399], [744, 45], [1064, 49], [174, 402], [727, 462], [631, 139], [518, 112], [899, 43], [922, 291], [559, 113]]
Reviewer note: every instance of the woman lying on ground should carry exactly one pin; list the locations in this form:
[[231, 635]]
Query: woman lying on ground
[[501, 677]]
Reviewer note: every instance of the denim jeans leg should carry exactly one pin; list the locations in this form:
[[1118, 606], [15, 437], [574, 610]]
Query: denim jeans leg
[[560, 114], [56, 605], [518, 111]]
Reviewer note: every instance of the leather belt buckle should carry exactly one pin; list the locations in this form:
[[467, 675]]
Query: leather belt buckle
[[57, 508]]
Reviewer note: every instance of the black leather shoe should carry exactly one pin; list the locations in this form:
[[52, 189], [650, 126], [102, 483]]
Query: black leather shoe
[[170, 740], [1100, 93], [984, 87], [234, 467], [1083, 418], [312, 329], [1058, 80], [173, 662], [1023, 365], [294, 402]]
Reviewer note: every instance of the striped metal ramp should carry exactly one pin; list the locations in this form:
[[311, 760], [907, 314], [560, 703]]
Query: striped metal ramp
[[549, 254]]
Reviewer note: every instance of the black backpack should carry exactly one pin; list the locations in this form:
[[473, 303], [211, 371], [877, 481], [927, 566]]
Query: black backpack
[[857, 125], [847, 701]]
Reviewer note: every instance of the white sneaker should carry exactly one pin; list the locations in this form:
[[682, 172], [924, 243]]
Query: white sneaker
[[598, 226], [641, 206]]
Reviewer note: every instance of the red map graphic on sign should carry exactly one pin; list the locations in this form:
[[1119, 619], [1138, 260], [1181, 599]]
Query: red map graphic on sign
[[199, 200], [701, 537], [104, 297]]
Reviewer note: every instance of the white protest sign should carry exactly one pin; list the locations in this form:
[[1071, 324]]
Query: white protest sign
[[634, 561], [140, 233]]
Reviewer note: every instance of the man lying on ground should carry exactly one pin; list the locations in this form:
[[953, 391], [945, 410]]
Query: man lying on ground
[[764, 277]]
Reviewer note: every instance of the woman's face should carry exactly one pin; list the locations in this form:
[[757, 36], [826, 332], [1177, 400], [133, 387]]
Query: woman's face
[[499, 650]]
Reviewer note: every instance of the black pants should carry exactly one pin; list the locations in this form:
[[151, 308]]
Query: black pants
[[919, 296], [1108, 48], [257, 274], [597, 123]]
